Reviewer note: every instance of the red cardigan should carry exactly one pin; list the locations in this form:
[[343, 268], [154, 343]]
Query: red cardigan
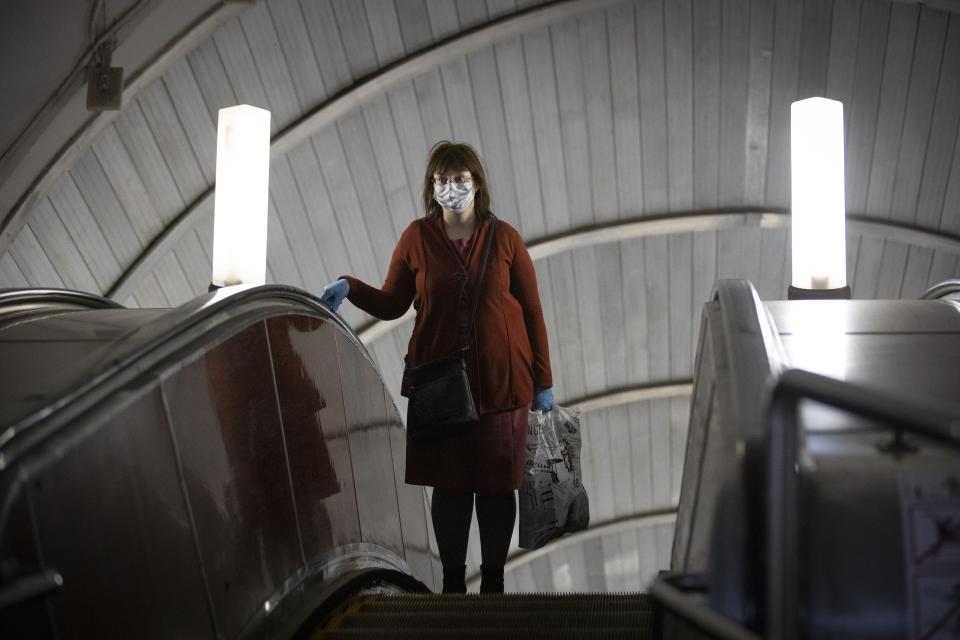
[[510, 336]]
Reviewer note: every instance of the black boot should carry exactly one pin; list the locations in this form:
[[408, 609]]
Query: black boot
[[491, 580], [454, 580]]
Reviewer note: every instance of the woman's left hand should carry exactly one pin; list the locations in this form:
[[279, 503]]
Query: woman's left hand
[[542, 400]]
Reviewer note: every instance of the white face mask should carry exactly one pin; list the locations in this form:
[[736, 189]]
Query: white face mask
[[455, 197]]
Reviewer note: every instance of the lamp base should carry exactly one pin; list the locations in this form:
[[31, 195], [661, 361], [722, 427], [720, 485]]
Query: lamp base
[[796, 293]]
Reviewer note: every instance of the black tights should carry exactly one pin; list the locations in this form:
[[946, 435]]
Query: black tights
[[452, 512]]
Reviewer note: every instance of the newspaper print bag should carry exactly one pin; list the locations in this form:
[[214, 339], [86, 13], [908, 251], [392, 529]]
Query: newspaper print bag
[[552, 499]]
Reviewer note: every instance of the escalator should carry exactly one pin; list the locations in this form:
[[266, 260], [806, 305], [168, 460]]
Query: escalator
[[233, 468], [821, 484], [228, 460], [237, 461]]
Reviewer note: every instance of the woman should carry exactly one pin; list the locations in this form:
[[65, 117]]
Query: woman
[[435, 265]]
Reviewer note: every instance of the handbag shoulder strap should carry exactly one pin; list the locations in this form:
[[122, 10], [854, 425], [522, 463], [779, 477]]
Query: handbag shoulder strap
[[479, 285]]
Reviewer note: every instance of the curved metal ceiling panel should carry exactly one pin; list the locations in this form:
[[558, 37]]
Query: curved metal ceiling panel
[[648, 108], [621, 112]]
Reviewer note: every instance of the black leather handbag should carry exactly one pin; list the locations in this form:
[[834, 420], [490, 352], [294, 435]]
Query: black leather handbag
[[438, 392]]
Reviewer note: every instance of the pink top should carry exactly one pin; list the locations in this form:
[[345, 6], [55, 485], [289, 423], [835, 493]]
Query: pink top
[[463, 246]]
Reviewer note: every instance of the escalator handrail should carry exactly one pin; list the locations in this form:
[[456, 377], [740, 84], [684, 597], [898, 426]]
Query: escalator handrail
[[691, 610], [221, 310], [932, 419], [942, 290], [753, 348], [26, 305], [11, 297]]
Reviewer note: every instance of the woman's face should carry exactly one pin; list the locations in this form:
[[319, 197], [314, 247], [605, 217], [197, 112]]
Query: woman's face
[[454, 190]]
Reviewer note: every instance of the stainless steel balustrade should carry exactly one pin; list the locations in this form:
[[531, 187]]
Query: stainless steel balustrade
[[946, 290], [214, 470], [809, 420], [937, 421]]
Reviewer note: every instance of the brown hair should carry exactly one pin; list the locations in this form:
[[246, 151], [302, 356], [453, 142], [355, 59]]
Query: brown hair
[[456, 156]]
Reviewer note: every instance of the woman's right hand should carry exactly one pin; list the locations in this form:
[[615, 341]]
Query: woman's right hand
[[334, 293]]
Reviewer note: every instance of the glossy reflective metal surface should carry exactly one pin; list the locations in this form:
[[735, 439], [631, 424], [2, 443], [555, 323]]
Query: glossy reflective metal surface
[[311, 402], [227, 427], [710, 443], [946, 290], [869, 316], [413, 519], [19, 558], [51, 297], [368, 431], [111, 519], [857, 494], [19, 306], [228, 460], [101, 326], [905, 347], [43, 359], [738, 355], [154, 335], [845, 571]]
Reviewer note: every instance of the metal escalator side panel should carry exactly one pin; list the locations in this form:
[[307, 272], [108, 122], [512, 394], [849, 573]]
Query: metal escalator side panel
[[148, 337], [308, 380], [368, 433], [860, 515], [227, 427], [111, 519], [701, 478], [244, 449], [422, 559], [847, 491], [22, 614], [738, 356], [45, 359]]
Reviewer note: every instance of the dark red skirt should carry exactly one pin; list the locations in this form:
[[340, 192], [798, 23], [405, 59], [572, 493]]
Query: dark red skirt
[[485, 456]]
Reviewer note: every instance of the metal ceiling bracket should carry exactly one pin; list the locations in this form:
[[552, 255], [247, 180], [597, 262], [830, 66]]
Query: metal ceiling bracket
[[104, 83]]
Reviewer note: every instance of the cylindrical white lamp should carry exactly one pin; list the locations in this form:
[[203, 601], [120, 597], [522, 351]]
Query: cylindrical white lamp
[[818, 228], [240, 199]]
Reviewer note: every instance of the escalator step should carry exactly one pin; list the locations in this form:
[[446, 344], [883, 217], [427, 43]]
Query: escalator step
[[606, 596], [546, 633], [481, 618], [526, 616], [506, 602]]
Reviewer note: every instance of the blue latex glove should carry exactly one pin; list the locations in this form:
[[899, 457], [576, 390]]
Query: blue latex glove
[[542, 400], [334, 293]]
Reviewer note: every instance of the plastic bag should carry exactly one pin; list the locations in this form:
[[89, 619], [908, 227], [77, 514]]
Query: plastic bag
[[552, 499]]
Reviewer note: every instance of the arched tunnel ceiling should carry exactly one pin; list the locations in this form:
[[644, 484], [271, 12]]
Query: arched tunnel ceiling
[[625, 112]]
